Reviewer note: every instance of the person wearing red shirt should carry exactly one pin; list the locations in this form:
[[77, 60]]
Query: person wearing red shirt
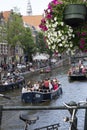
[[46, 83]]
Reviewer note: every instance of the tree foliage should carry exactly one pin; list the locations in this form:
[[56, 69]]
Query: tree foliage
[[14, 28], [41, 43], [18, 34], [27, 43]]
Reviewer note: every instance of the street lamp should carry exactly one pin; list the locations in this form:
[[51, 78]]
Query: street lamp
[[0, 74]]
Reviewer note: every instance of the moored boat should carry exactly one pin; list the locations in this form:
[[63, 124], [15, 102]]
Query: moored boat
[[45, 70], [78, 72], [77, 76], [11, 82]]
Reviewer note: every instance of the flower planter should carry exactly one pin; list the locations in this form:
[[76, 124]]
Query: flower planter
[[74, 14]]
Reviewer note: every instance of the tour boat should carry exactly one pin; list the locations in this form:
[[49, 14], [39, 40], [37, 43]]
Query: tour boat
[[77, 76], [42, 95], [11, 82]]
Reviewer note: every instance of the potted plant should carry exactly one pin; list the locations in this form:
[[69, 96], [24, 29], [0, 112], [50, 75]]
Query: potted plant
[[75, 13], [59, 36]]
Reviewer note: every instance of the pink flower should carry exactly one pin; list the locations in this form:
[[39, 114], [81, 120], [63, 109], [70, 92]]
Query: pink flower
[[50, 6], [83, 33], [49, 16], [85, 50], [43, 21], [81, 46], [43, 27], [56, 2], [82, 41]]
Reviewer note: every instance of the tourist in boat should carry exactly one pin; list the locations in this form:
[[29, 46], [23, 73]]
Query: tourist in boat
[[84, 70], [24, 89], [70, 71], [80, 63], [50, 85], [55, 84], [81, 67], [5, 83], [8, 74], [36, 85], [46, 83], [42, 86], [29, 86]]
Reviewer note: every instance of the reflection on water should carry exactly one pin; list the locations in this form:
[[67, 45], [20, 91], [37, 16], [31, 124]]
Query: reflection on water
[[75, 91]]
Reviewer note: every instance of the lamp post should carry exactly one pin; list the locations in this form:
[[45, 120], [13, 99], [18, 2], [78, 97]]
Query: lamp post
[[0, 74]]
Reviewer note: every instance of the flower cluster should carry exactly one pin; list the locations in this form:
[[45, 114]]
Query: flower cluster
[[81, 36], [59, 39], [58, 35]]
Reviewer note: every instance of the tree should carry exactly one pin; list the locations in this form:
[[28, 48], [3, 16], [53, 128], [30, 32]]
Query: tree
[[3, 29], [27, 43], [41, 44], [18, 34], [14, 28]]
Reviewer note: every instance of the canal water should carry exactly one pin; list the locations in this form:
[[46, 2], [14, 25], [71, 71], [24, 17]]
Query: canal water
[[72, 91]]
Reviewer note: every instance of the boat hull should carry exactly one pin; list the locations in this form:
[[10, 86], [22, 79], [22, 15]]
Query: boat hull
[[37, 97], [77, 77], [12, 86]]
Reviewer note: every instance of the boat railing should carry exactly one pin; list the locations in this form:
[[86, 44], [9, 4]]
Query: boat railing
[[72, 108], [44, 91]]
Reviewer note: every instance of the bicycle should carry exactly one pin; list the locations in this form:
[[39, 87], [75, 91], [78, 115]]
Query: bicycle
[[72, 107], [28, 120], [31, 120]]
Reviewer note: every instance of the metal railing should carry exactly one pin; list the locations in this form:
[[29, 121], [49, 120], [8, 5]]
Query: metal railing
[[72, 107]]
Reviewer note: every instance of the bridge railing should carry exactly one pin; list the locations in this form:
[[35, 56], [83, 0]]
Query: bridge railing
[[72, 107]]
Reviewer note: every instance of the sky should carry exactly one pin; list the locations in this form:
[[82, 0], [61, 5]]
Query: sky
[[38, 6]]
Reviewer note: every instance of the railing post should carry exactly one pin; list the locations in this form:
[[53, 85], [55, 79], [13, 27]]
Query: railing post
[[85, 122], [0, 114]]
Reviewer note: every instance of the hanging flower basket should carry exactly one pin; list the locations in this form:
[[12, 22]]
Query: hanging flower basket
[[74, 14], [60, 26]]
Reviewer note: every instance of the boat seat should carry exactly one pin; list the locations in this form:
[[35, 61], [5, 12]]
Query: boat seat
[[40, 90], [28, 119]]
